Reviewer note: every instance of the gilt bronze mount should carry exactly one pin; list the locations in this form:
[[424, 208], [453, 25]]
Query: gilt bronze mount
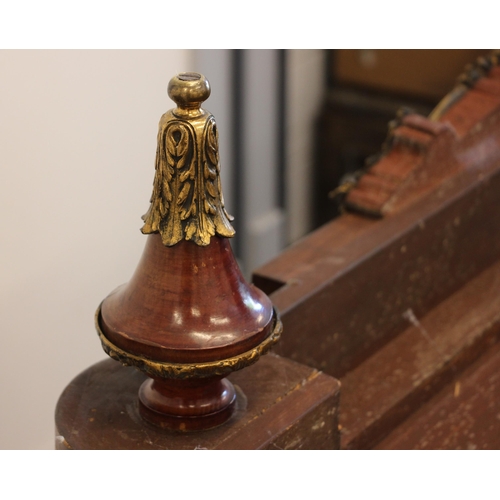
[[187, 201], [189, 370]]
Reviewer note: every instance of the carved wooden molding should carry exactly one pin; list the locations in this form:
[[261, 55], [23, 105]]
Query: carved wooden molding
[[421, 152]]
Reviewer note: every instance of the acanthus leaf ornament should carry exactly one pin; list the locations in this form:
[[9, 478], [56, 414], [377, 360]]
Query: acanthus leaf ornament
[[187, 201]]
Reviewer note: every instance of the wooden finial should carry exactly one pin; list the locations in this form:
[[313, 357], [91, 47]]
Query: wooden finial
[[187, 318]]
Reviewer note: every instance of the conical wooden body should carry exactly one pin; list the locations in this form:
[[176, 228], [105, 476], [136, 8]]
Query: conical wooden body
[[186, 304]]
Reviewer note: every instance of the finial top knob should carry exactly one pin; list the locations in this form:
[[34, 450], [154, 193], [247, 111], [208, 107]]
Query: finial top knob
[[189, 90]]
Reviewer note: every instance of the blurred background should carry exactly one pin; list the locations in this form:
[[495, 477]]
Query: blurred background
[[77, 147]]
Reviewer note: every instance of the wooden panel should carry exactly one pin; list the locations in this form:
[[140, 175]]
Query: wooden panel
[[397, 379], [465, 415], [280, 405], [341, 302]]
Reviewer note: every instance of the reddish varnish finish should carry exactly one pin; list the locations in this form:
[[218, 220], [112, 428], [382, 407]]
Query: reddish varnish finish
[[423, 153], [280, 405], [398, 307], [186, 304], [187, 405], [464, 415]]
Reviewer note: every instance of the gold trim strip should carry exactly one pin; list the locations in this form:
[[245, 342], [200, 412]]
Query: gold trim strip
[[472, 73], [193, 370], [447, 102]]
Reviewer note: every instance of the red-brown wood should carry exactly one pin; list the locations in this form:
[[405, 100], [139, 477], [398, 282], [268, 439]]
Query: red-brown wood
[[356, 277], [186, 304], [280, 404], [187, 405], [344, 293], [465, 415], [400, 305], [435, 348], [421, 152]]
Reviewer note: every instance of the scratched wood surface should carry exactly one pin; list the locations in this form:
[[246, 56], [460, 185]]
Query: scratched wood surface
[[397, 306], [393, 383], [465, 415], [281, 405], [344, 293]]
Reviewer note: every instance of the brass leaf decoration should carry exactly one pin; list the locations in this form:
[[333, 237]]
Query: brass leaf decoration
[[187, 201]]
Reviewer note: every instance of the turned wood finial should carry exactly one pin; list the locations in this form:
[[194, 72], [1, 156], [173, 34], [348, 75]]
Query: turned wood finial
[[187, 318]]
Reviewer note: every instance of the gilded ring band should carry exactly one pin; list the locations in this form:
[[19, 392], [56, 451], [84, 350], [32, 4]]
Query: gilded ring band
[[191, 370]]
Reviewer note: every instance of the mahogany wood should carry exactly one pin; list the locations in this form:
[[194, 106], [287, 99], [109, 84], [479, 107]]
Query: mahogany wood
[[187, 405], [397, 379], [421, 152], [465, 415], [403, 174], [185, 304], [187, 318], [476, 105], [280, 405], [398, 306], [349, 284]]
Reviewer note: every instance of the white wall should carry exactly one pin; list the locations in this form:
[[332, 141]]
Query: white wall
[[216, 66], [77, 146]]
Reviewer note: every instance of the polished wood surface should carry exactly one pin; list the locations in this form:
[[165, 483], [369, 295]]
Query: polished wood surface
[[365, 90], [280, 405], [349, 289], [404, 309], [187, 405], [357, 276], [187, 303]]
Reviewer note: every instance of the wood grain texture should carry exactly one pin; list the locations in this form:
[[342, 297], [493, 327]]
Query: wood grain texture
[[186, 304], [465, 415], [400, 306], [187, 313], [280, 405], [396, 380], [343, 301]]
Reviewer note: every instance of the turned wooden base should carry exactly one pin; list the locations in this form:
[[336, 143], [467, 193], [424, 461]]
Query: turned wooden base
[[187, 405], [279, 404]]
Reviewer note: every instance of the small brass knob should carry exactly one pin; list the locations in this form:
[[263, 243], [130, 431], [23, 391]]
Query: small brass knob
[[189, 90]]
